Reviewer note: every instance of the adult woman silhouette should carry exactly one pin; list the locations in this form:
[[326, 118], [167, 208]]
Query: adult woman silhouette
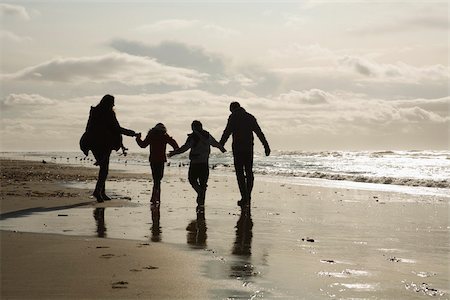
[[103, 134]]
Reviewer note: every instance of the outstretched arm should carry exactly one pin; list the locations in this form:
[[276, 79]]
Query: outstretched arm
[[143, 143], [181, 149], [127, 132], [226, 133], [261, 137], [172, 142], [214, 143], [117, 128]]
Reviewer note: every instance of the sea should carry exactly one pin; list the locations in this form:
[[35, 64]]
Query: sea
[[414, 171]]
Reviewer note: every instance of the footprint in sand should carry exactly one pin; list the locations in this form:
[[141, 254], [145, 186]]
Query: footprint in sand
[[109, 255], [119, 285], [327, 261], [150, 268], [102, 247], [135, 270]]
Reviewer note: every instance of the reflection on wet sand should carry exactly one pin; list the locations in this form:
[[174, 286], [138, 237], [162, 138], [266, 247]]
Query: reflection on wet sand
[[196, 236], [242, 268], [99, 216], [156, 228], [243, 243]]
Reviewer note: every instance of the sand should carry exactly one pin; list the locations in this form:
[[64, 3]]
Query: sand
[[297, 242], [43, 266]]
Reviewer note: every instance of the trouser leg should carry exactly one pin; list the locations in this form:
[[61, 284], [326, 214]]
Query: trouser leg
[[249, 175], [240, 176], [103, 162], [157, 174], [198, 178], [203, 181]]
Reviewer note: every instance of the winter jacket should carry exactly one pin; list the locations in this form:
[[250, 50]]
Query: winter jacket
[[199, 142], [103, 132], [241, 125], [158, 140]]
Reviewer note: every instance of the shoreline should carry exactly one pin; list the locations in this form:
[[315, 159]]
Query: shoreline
[[64, 266], [295, 232], [138, 161]]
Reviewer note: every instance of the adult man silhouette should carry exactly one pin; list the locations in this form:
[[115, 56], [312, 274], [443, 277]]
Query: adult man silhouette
[[241, 126]]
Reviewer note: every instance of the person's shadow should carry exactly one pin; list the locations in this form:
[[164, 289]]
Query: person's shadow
[[242, 247], [196, 232], [156, 228], [99, 216]]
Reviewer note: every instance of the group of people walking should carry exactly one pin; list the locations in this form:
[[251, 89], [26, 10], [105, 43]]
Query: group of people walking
[[104, 134]]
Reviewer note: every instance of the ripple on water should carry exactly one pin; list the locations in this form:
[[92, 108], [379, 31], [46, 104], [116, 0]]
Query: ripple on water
[[345, 273], [424, 288], [360, 286]]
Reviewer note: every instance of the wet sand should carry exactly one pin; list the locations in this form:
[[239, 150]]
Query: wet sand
[[297, 241], [49, 266]]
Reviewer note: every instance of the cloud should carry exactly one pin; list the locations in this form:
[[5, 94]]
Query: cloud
[[14, 11], [224, 76], [420, 22], [400, 72], [168, 25], [9, 36], [417, 115], [432, 22], [174, 54], [311, 52], [313, 96], [287, 119], [439, 106], [26, 99], [178, 25], [123, 68]]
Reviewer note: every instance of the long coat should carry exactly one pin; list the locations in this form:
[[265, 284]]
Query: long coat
[[103, 132]]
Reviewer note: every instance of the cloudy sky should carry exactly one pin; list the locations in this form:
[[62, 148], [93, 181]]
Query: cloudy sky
[[318, 75]]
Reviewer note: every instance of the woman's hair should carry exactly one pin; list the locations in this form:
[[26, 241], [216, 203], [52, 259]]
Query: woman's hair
[[159, 128], [107, 102]]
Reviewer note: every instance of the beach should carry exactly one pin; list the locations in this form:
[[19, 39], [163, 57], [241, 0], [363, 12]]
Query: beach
[[296, 242], [44, 266]]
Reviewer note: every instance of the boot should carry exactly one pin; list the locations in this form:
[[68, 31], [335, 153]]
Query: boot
[[104, 196], [156, 193], [97, 192]]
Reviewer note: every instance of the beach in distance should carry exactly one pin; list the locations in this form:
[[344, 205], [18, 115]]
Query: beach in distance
[[314, 238]]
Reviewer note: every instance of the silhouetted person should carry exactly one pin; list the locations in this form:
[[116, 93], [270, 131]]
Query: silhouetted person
[[103, 134], [200, 142], [99, 216], [156, 229], [158, 139], [196, 236], [241, 126]]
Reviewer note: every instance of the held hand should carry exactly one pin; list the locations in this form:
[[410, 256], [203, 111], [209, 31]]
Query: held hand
[[170, 154], [223, 149], [267, 151], [138, 135], [124, 150]]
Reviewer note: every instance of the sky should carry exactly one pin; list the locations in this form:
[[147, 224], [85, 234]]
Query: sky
[[317, 75]]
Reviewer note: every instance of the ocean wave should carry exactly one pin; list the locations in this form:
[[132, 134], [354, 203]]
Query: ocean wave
[[367, 179]]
